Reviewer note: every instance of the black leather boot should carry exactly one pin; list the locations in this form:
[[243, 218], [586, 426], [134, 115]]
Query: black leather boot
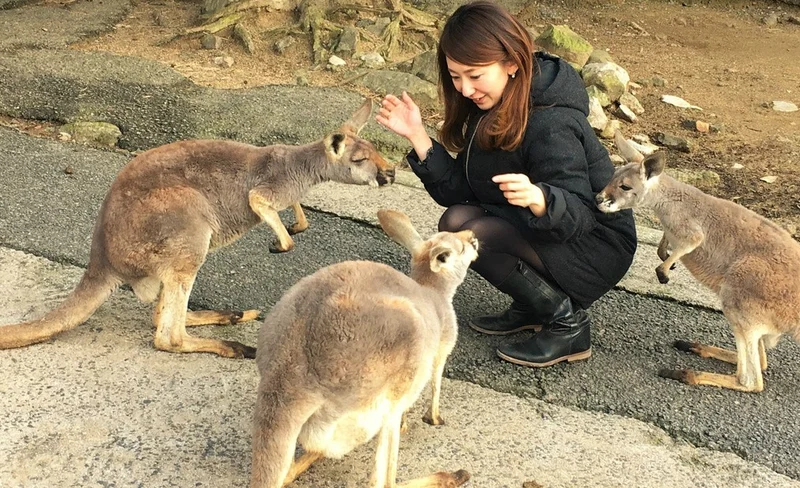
[[531, 293], [565, 335], [567, 338]]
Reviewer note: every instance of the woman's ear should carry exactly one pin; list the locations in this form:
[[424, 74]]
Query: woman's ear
[[511, 69]]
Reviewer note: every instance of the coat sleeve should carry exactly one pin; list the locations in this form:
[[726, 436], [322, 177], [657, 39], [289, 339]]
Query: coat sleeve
[[442, 175], [557, 163]]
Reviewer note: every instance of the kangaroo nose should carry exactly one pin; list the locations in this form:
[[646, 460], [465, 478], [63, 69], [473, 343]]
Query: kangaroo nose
[[385, 177], [599, 198]]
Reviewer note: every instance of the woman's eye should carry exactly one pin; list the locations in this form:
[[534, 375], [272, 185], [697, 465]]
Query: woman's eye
[[475, 77], [625, 188]]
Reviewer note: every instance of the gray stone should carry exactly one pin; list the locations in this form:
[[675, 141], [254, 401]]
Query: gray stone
[[94, 133], [609, 77], [347, 44], [673, 142], [426, 66], [630, 100], [210, 41], [600, 56]]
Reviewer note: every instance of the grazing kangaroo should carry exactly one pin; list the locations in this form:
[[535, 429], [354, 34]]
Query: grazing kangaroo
[[749, 262], [169, 206], [348, 349]]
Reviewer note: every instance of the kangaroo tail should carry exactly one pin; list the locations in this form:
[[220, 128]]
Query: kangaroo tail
[[92, 291]]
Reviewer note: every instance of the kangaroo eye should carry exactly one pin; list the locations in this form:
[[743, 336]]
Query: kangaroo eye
[[358, 160], [625, 188]]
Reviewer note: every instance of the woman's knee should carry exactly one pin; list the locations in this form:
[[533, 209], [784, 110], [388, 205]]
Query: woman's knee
[[454, 218]]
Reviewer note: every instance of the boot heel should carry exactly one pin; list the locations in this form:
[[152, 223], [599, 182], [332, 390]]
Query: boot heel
[[580, 356]]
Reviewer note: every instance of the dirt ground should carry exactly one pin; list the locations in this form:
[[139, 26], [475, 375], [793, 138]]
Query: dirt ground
[[724, 56]]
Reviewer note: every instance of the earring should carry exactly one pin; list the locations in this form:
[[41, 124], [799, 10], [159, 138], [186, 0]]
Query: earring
[[514, 74]]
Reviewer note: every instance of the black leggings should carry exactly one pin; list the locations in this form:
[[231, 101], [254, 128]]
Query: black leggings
[[501, 244]]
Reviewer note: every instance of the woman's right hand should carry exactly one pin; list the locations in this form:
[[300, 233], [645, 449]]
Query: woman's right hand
[[401, 116]]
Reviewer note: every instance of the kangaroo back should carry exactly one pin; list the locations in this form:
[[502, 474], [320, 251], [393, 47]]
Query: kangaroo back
[[348, 349]]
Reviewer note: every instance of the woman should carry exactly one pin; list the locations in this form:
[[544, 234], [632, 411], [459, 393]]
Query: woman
[[527, 168]]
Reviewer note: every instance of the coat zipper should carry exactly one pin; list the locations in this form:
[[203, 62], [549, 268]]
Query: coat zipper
[[469, 147]]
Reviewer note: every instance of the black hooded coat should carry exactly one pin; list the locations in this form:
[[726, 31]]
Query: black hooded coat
[[585, 250]]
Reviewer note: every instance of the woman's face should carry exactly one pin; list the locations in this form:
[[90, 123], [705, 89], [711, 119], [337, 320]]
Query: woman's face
[[484, 84]]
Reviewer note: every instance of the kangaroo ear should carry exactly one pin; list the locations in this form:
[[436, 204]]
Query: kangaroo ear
[[439, 257], [626, 150], [359, 119], [653, 165], [335, 145], [398, 226]]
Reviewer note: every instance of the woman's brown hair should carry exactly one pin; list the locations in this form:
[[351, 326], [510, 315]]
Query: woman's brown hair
[[482, 33]]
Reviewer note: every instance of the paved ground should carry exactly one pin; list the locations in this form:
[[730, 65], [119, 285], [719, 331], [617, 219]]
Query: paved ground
[[99, 406]]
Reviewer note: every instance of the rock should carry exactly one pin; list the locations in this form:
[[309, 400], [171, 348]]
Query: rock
[[301, 78], [610, 129], [224, 61], [347, 44], [770, 20], [599, 56], [673, 142], [283, 43], [597, 117], [336, 61], [373, 60], [630, 100], [562, 41], [96, 133], [210, 41], [600, 95], [783, 106], [426, 66], [626, 114], [697, 125], [609, 77], [379, 25]]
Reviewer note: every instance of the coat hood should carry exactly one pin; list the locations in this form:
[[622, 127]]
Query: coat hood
[[556, 83]]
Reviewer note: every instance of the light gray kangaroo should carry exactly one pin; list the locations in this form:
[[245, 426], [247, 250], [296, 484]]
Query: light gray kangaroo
[[749, 262], [169, 206], [347, 350]]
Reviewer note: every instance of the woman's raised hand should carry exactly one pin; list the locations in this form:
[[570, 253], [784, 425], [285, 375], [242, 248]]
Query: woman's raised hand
[[518, 190], [400, 115]]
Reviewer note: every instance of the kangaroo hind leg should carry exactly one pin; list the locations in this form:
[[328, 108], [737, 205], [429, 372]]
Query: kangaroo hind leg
[[300, 221], [170, 320]]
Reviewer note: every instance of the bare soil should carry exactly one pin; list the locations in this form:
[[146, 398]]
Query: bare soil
[[720, 55]]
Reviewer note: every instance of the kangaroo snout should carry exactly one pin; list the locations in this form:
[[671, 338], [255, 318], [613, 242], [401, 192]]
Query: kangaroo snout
[[385, 176]]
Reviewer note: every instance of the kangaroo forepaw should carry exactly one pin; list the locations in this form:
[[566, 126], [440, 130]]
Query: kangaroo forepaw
[[431, 420], [276, 247], [663, 277]]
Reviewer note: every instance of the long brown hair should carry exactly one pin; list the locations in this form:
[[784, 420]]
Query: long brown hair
[[477, 34]]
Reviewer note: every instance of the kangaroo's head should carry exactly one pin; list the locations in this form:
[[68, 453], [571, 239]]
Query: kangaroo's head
[[442, 259], [631, 183], [355, 160]]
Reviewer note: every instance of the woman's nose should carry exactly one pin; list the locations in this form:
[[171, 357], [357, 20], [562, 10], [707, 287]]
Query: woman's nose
[[466, 89]]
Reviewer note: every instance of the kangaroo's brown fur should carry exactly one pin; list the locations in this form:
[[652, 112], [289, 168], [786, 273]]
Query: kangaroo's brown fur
[[169, 206], [749, 262], [348, 349]]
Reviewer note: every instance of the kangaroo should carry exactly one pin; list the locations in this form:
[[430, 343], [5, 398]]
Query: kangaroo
[[347, 350], [171, 205], [749, 262]]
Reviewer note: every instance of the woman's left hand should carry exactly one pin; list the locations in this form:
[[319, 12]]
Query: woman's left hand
[[519, 191]]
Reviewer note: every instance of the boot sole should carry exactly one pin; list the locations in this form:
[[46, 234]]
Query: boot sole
[[570, 358], [536, 328]]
